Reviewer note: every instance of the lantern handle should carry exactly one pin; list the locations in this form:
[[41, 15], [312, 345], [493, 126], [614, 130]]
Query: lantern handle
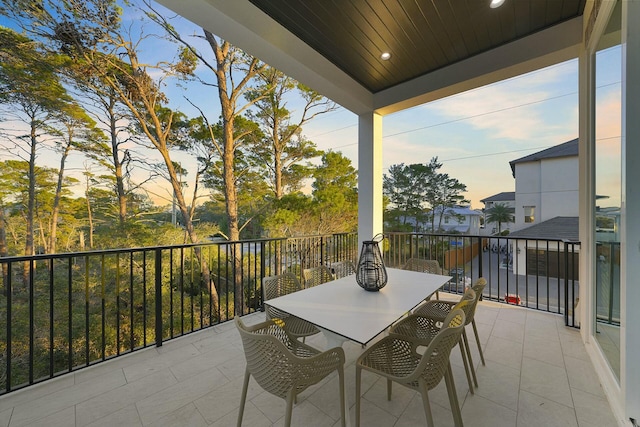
[[380, 236]]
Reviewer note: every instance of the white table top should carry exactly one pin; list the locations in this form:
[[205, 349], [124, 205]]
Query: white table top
[[344, 308]]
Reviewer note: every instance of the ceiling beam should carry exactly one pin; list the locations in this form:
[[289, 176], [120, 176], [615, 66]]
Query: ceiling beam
[[542, 49]]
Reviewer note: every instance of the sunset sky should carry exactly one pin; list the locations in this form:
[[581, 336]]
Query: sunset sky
[[474, 134]]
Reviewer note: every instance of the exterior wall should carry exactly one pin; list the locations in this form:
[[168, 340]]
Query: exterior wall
[[559, 188], [527, 192], [550, 185]]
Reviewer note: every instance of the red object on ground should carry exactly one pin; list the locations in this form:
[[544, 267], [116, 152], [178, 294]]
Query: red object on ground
[[513, 299]]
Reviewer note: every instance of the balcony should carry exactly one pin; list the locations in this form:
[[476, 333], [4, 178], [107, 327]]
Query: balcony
[[138, 337], [537, 373]]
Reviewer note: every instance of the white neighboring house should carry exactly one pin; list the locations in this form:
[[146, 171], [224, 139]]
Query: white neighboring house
[[459, 219], [546, 207], [546, 185], [507, 198]]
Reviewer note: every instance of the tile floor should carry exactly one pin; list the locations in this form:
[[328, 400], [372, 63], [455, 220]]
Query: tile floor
[[537, 373]]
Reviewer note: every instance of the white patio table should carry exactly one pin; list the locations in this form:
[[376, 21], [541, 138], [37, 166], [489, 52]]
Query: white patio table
[[345, 311]]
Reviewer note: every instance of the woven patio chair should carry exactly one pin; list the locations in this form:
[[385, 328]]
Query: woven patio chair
[[440, 309], [342, 269], [478, 287], [316, 276], [424, 266], [424, 326], [285, 367], [398, 360], [279, 285]]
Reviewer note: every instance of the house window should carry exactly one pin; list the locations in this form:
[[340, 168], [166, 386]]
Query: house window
[[529, 213], [446, 220], [460, 220]]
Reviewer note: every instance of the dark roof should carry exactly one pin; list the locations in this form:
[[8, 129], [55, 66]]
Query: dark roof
[[560, 227], [567, 149], [505, 196]]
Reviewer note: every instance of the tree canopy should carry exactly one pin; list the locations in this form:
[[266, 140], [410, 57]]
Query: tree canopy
[[418, 195], [500, 213]]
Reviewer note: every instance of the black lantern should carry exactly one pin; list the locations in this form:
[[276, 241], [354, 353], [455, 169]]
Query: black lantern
[[371, 273]]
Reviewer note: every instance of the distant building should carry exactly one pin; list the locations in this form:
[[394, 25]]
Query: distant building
[[507, 198], [535, 254], [458, 219], [546, 185], [545, 207]]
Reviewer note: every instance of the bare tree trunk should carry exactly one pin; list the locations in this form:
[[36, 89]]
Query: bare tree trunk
[[89, 216], [43, 238], [117, 163], [31, 202], [231, 197], [56, 200]]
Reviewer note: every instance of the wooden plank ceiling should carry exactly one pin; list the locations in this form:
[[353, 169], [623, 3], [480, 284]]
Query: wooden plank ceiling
[[421, 35]]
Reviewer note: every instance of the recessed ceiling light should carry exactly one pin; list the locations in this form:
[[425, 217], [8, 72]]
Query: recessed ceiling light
[[385, 56], [495, 3]]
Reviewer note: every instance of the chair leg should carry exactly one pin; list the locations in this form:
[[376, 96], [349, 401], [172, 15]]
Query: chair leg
[[453, 397], [358, 378], [466, 346], [463, 354], [287, 415], [243, 399], [475, 332], [425, 402], [343, 403], [389, 387]]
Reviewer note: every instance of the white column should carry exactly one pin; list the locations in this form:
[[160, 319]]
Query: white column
[[630, 242], [586, 189], [369, 176]]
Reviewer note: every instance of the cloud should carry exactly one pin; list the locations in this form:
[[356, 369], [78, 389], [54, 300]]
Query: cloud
[[513, 109]]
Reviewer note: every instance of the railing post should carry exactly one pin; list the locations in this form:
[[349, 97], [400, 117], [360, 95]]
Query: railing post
[[566, 287], [263, 266], [158, 275], [9, 319], [480, 256]]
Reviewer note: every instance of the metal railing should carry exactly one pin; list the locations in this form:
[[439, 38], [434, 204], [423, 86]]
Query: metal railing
[[62, 312], [540, 274]]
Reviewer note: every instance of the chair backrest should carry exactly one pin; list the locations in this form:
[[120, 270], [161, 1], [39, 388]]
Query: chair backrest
[[423, 265], [268, 358], [280, 363], [280, 284], [435, 360], [316, 276], [276, 286], [478, 288], [342, 269], [466, 303]]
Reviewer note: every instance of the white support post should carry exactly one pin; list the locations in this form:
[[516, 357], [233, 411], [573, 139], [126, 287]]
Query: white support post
[[630, 242], [369, 176], [586, 189]]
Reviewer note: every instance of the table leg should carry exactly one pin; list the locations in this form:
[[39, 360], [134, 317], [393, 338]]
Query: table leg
[[335, 340]]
